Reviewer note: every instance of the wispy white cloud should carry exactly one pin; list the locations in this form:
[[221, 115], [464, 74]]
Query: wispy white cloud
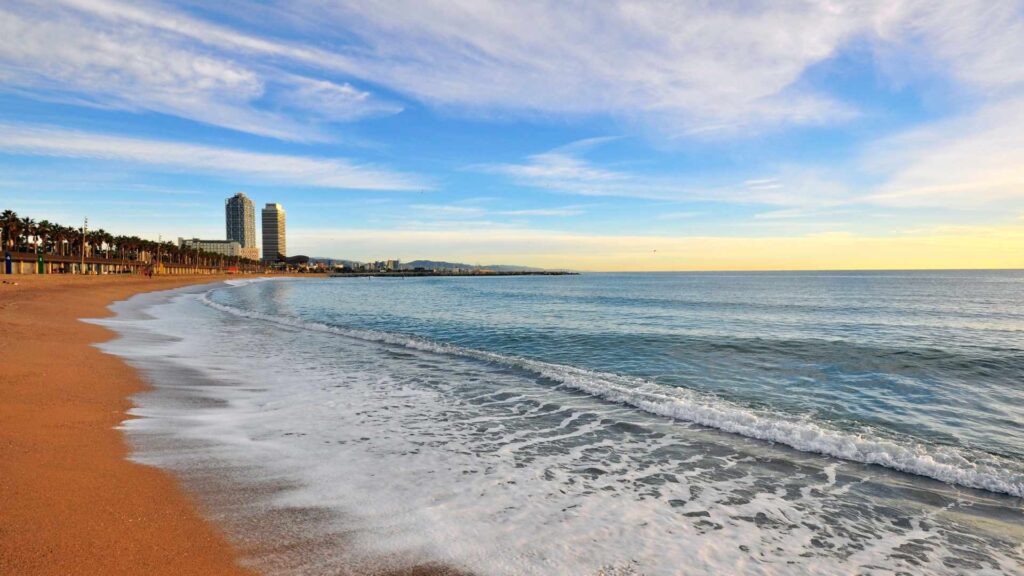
[[762, 184], [964, 162], [689, 69], [462, 210], [977, 43], [569, 211], [781, 214], [331, 101], [239, 164], [683, 215], [448, 210], [564, 170], [556, 166], [81, 53], [816, 213], [972, 161], [977, 158], [699, 69]]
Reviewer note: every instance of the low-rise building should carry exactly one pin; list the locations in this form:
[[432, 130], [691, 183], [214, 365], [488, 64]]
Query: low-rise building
[[223, 247]]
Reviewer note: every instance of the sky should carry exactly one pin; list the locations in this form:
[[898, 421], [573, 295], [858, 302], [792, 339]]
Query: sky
[[582, 135]]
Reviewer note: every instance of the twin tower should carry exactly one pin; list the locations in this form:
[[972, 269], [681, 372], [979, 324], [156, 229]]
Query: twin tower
[[240, 217]]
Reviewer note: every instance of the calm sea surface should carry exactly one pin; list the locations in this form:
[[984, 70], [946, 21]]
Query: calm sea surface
[[766, 423]]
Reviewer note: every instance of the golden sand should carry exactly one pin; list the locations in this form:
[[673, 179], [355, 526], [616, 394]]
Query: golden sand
[[70, 503]]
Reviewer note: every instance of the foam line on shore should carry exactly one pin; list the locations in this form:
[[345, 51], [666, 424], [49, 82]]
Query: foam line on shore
[[944, 463]]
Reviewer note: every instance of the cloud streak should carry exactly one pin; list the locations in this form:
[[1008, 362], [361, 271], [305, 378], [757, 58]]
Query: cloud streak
[[463, 211], [111, 55], [971, 161], [564, 170], [687, 69], [245, 165], [959, 163]]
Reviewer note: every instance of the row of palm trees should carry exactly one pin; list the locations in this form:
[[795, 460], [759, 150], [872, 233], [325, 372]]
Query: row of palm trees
[[23, 234]]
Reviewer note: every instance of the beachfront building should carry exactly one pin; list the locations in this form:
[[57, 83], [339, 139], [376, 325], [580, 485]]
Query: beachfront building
[[274, 247], [240, 220], [222, 247]]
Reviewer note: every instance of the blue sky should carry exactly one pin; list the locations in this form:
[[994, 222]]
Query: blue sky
[[611, 135]]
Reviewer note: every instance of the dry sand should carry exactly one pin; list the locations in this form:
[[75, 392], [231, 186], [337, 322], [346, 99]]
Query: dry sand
[[70, 503]]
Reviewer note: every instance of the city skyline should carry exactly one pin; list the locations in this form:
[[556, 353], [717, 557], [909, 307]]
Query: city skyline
[[240, 231], [619, 136]]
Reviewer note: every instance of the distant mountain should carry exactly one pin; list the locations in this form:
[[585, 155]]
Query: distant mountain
[[437, 265], [432, 265]]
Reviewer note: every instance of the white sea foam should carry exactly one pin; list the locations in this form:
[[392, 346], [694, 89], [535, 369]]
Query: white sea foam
[[946, 464], [433, 453]]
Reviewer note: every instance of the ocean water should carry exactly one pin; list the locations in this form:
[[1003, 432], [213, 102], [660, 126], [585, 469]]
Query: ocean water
[[763, 423]]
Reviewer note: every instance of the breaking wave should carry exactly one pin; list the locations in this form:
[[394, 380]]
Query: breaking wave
[[972, 469]]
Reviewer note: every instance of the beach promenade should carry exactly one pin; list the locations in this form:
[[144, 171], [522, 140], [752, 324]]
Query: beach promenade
[[71, 503]]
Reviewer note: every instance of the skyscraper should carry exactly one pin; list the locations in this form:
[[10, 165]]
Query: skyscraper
[[240, 219], [273, 233]]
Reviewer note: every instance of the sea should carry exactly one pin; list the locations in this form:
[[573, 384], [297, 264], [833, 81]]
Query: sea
[[600, 424]]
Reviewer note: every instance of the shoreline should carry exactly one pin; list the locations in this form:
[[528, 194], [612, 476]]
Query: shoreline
[[72, 501], [445, 274]]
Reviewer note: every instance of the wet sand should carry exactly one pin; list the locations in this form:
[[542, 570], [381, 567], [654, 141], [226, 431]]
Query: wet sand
[[70, 503]]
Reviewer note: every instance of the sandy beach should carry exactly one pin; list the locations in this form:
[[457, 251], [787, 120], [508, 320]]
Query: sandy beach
[[71, 503], [390, 458]]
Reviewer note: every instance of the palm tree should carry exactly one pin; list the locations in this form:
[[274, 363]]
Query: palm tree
[[146, 247], [44, 232], [94, 242], [134, 248], [59, 235], [75, 246], [105, 239], [11, 226], [28, 230], [172, 251], [117, 242]]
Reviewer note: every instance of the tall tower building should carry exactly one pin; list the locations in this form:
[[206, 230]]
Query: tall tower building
[[273, 233], [240, 220]]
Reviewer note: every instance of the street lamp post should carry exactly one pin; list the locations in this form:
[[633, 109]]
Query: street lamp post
[[85, 229]]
